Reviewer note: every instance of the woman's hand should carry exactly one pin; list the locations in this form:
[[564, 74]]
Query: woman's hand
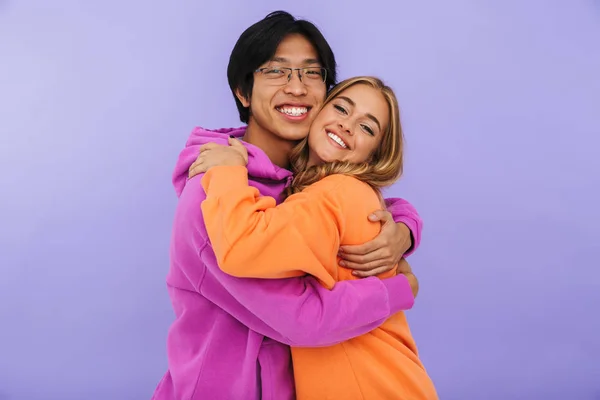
[[405, 269], [381, 254], [214, 155]]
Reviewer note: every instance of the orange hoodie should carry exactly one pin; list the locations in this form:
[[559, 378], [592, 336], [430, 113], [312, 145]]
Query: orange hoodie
[[252, 237]]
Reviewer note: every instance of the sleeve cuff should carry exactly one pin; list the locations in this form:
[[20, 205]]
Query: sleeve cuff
[[219, 180], [400, 295], [415, 232]]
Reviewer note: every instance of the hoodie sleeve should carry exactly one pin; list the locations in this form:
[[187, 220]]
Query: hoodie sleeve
[[252, 237], [296, 311], [300, 311], [404, 212]]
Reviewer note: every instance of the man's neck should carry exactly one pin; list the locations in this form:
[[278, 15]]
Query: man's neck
[[277, 149]]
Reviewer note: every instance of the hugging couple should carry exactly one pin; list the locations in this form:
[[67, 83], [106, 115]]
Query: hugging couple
[[287, 271]]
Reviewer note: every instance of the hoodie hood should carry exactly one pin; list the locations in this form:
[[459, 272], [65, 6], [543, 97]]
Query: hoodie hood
[[259, 165]]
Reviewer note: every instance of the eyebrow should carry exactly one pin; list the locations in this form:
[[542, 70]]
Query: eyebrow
[[353, 104], [306, 61]]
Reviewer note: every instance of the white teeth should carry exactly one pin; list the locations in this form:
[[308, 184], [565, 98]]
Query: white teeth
[[337, 139], [293, 111]]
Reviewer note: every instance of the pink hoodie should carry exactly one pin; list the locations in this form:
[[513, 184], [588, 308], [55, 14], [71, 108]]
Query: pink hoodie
[[230, 338]]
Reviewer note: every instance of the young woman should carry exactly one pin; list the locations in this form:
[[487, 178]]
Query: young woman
[[353, 149]]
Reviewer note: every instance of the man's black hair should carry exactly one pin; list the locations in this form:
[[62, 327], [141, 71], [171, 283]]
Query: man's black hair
[[258, 45]]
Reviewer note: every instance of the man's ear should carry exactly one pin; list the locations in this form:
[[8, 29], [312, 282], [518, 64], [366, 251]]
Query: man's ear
[[245, 102]]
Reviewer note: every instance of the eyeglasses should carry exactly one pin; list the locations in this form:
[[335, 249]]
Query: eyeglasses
[[282, 75]]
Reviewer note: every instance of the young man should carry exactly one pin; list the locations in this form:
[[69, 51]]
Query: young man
[[230, 338]]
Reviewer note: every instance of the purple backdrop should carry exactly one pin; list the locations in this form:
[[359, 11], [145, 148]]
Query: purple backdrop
[[501, 106]]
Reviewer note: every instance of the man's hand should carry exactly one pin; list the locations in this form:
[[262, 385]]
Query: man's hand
[[380, 254], [212, 155]]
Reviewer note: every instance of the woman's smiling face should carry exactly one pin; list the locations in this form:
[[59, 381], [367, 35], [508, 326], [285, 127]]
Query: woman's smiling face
[[350, 127]]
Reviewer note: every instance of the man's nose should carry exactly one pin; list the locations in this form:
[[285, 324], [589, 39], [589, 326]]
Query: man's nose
[[294, 85]]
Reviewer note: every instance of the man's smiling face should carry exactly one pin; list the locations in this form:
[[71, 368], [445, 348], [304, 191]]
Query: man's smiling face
[[287, 108]]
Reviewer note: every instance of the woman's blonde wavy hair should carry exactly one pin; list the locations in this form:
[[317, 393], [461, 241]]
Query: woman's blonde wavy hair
[[381, 170]]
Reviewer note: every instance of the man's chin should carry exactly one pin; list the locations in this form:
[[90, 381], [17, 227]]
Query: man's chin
[[292, 134], [293, 137]]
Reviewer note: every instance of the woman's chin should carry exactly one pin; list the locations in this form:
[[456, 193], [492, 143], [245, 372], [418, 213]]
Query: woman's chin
[[323, 157]]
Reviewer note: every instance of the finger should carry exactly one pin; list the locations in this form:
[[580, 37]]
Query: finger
[[379, 254], [235, 142], [363, 267], [373, 272], [198, 161], [239, 147], [404, 267], [382, 240], [200, 157], [207, 146], [192, 169], [199, 168], [193, 172], [400, 269], [365, 248], [381, 215]]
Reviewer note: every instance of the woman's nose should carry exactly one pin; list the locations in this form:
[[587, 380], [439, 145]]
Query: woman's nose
[[344, 128]]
